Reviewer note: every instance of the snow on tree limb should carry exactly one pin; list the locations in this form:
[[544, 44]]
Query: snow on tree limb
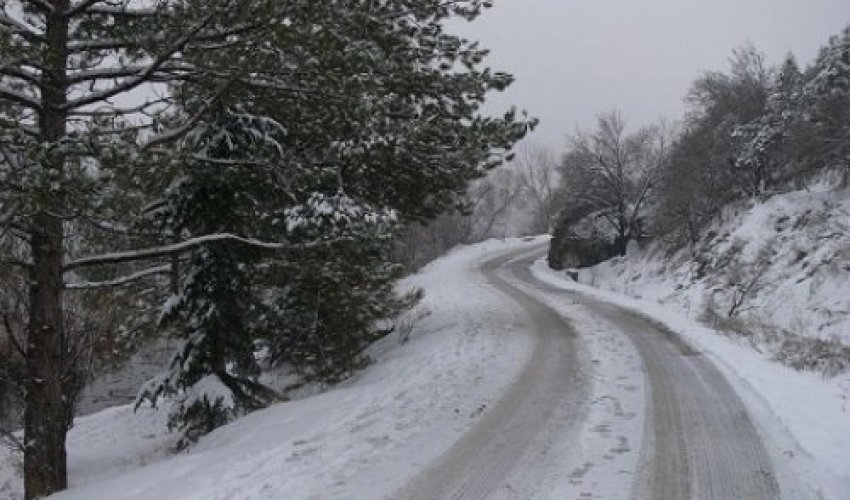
[[176, 133], [21, 98], [88, 7], [20, 28], [183, 246], [166, 250], [123, 280], [143, 76], [43, 4]]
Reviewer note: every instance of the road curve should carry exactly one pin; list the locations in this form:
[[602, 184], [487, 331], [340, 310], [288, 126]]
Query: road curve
[[475, 467], [699, 441]]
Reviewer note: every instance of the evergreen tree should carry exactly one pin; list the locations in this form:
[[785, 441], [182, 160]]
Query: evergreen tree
[[763, 154], [398, 141], [703, 172], [826, 105], [804, 126], [214, 375], [379, 106]]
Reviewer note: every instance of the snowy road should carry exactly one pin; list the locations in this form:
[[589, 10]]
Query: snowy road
[[551, 433], [551, 383]]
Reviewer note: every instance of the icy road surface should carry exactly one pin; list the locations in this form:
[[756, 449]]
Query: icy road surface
[[645, 417]]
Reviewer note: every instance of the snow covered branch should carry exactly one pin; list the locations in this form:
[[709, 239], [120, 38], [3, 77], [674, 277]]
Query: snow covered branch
[[21, 98], [178, 132], [143, 76], [123, 280], [183, 246], [167, 250], [82, 7], [110, 111], [90, 7], [14, 69], [42, 5], [19, 28]]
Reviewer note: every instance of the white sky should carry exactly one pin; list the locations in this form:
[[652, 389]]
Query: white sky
[[576, 58]]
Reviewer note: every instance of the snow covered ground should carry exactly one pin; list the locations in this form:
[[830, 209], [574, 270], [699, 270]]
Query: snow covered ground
[[786, 260], [435, 380], [369, 435], [803, 417]]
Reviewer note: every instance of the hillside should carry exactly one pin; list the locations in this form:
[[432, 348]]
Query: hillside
[[775, 272]]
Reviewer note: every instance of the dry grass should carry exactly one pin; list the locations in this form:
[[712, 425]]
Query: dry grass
[[829, 357]]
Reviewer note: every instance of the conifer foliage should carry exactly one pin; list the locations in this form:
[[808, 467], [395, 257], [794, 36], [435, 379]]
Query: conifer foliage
[[258, 153]]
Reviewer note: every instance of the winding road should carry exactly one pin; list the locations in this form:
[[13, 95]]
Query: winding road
[[698, 442]]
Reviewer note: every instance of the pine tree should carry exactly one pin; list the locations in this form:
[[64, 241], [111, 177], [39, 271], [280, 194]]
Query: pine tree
[[379, 107], [826, 104], [398, 141], [763, 154], [64, 138], [214, 375], [804, 126]]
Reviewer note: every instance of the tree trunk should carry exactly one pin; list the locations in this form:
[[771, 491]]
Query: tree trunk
[[45, 414], [49, 398]]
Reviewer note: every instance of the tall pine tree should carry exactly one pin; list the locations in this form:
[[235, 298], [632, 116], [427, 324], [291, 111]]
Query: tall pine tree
[[379, 110]]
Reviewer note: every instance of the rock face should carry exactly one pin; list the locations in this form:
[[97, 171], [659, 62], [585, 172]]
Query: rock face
[[581, 241]]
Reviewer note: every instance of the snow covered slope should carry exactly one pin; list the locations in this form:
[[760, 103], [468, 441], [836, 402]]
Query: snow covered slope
[[782, 268], [804, 419], [776, 272], [428, 384]]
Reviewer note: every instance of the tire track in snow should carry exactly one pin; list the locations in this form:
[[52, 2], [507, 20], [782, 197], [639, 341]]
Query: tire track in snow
[[477, 465], [699, 442]]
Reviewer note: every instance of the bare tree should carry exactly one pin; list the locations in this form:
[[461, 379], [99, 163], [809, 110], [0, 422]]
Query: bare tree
[[493, 200], [539, 177], [612, 175]]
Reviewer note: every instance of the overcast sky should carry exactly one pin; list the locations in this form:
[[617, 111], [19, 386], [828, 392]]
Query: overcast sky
[[576, 58]]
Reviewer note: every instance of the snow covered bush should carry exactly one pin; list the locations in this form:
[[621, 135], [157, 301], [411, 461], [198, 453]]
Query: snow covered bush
[[828, 356]]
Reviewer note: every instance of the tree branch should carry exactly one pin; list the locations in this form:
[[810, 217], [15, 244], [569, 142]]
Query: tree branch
[[81, 7], [166, 250], [20, 28], [115, 11], [123, 280], [24, 100], [174, 134], [13, 440], [13, 69], [42, 5], [144, 76]]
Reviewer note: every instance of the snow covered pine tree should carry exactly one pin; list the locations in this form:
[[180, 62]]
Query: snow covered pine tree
[[367, 154], [379, 108]]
